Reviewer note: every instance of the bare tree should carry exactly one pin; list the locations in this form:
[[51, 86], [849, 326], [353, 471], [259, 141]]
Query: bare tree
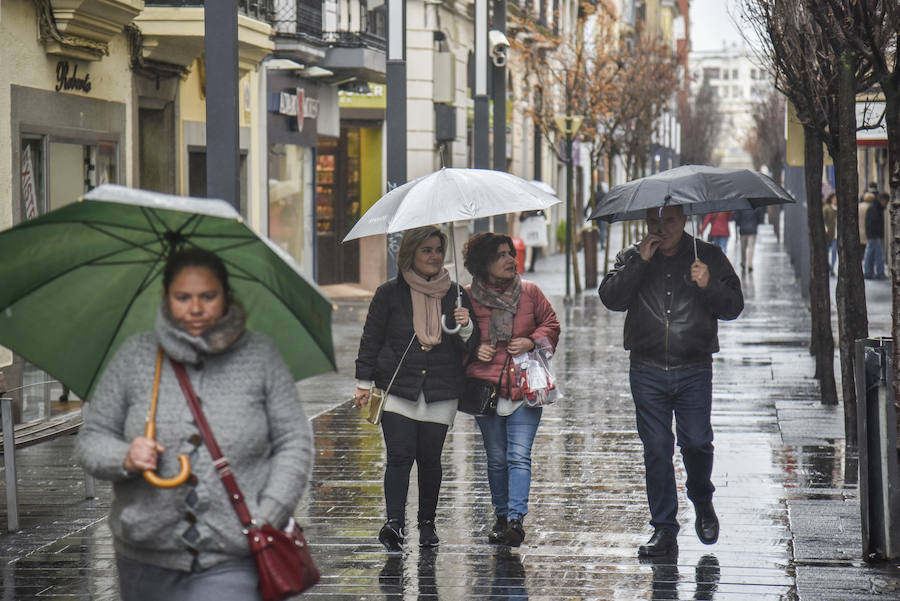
[[822, 82], [765, 142], [871, 28], [701, 125]]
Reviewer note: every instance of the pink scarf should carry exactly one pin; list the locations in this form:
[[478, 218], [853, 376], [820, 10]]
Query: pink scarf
[[426, 303]]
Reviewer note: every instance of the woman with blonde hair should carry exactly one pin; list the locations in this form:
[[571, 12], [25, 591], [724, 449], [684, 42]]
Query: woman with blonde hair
[[403, 344]]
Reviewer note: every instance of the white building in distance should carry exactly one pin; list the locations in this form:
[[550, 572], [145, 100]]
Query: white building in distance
[[739, 83]]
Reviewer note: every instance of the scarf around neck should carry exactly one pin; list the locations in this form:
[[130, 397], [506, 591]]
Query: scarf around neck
[[187, 348], [503, 304], [426, 303]]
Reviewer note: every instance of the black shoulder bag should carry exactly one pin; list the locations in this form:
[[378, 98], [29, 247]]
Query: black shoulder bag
[[480, 396]]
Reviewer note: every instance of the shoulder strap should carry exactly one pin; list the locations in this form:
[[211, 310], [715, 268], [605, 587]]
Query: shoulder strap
[[399, 363], [221, 463]]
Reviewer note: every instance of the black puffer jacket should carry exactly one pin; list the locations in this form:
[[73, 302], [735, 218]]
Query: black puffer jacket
[[388, 330], [671, 322]]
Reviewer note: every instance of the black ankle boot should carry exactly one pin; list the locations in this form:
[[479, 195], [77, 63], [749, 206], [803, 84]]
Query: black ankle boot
[[392, 536], [515, 533], [498, 530], [427, 534]]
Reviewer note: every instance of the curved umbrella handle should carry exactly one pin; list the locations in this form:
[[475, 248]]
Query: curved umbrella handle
[[184, 464], [184, 467], [446, 329]]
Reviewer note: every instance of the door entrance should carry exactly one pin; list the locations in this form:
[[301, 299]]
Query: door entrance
[[337, 207]]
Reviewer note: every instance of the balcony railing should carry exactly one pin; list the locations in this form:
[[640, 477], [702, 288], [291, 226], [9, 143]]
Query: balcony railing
[[305, 19], [261, 10]]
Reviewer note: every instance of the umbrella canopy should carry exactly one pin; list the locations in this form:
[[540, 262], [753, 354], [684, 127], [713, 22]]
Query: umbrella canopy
[[543, 186], [450, 195], [698, 189], [81, 279]]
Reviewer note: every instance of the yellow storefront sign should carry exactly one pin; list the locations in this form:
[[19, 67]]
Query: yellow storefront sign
[[375, 98]]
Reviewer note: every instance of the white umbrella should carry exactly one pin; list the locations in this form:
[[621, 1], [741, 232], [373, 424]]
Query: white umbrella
[[450, 195], [543, 186]]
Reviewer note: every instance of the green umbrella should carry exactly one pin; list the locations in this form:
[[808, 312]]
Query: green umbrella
[[79, 280]]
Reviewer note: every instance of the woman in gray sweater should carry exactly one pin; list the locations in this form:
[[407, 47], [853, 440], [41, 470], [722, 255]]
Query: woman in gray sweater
[[183, 543]]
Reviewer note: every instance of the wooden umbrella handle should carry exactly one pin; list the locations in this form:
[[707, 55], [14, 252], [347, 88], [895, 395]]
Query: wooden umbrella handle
[[184, 464]]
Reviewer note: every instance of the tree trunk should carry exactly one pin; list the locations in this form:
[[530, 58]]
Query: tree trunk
[[892, 116], [853, 321], [819, 293], [590, 248], [573, 236]]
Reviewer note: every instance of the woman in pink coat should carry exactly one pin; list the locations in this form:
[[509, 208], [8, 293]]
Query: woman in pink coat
[[512, 315], [718, 228]]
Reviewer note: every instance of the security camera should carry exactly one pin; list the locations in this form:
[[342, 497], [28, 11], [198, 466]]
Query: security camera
[[499, 46]]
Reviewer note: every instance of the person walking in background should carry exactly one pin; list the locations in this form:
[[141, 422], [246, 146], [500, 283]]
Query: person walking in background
[[718, 228], [747, 221], [673, 302], [533, 232], [873, 260], [186, 543], [512, 315], [867, 199], [402, 340], [774, 216], [829, 214]]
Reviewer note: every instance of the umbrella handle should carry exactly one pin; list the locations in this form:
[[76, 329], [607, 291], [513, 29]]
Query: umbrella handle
[[184, 466], [446, 329], [184, 472], [444, 317]]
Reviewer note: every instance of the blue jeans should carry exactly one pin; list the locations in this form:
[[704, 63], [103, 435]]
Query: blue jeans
[[722, 241], [507, 442], [873, 260], [658, 395], [833, 247]]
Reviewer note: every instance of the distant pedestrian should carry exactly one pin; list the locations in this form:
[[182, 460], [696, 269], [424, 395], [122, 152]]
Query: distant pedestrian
[[718, 228], [748, 221], [773, 214], [512, 314], [867, 200], [873, 260], [533, 232], [186, 543], [829, 214], [402, 340], [673, 303]]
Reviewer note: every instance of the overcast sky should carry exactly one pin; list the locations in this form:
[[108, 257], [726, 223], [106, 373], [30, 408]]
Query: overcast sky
[[711, 23]]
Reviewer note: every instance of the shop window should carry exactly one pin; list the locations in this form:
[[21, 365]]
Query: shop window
[[53, 173], [287, 173]]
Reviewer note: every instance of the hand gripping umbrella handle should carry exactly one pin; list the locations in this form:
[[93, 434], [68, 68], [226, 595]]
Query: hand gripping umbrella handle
[[184, 464]]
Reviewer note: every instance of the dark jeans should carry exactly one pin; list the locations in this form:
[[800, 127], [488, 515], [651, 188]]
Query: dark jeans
[[658, 395], [409, 441]]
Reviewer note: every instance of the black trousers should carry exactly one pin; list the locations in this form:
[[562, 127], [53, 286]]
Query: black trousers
[[409, 441]]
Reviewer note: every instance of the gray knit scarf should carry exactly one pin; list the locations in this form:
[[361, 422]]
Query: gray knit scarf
[[503, 304], [187, 348]]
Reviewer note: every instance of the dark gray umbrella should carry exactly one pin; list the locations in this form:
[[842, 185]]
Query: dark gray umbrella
[[699, 189]]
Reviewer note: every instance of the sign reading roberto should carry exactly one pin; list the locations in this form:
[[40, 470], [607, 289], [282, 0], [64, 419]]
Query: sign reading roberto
[[64, 81]]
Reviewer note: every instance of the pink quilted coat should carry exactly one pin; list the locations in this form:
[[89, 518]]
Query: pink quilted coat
[[535, 318]]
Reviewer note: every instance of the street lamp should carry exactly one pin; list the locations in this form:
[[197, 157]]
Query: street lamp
[[568, 125]]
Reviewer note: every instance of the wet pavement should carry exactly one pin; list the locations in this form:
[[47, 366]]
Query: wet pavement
[[786, 484]]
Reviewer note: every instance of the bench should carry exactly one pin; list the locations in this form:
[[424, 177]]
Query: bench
[[30, 434]]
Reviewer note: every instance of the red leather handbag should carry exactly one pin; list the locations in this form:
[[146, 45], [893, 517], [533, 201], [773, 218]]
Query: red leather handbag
[[282, 557]]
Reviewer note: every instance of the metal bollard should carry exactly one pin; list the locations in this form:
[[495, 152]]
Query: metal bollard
[[879, 478]]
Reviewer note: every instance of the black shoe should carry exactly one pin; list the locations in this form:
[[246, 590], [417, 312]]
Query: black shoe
[[515, 534], [498, 530], [427, 535], [663, 542], [706, 524], [706, 575], [392, 536]]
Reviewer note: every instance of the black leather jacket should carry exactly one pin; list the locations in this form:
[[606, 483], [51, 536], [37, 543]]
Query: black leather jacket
[[389, 327], [671, 322]]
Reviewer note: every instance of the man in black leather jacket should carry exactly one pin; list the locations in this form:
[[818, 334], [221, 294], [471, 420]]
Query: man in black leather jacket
[[673, 302]]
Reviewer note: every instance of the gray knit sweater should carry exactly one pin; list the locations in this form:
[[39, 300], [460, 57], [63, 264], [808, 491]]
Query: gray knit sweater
[[253, 408]]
